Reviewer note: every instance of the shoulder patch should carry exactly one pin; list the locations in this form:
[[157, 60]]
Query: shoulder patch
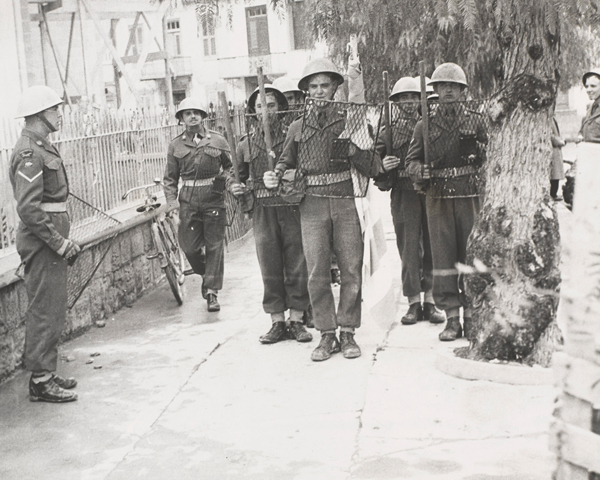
[[28, 152]]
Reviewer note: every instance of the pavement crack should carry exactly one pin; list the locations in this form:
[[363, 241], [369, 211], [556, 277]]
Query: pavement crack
[[150, 427]]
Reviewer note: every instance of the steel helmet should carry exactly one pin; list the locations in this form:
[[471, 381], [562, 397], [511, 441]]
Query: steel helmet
[[428, 86], [190, 103], [286, 84], [283, 103], [319, 65], [405, 85], [449, 72], [593, 71], [36, 99]]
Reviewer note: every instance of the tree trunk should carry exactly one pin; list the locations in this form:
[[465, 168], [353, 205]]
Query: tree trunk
[[514, 291]]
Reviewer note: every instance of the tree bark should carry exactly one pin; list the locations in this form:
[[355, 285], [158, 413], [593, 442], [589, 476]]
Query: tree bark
[[515, 244]]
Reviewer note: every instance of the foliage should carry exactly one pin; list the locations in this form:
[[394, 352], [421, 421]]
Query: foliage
[[397, 35]]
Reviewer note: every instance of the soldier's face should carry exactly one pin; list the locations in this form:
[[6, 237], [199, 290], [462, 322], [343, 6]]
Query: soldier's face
[[191, 118], [321, 87], [272, 106], [448, 91], [407, 98], [54, 117], [293, 97], [592, 87]]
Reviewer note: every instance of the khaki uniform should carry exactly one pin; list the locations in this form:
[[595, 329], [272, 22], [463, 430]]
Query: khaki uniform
[[41, 189], [408, 210], [204, 168], [457, 137], [277, 231], [328, 215]]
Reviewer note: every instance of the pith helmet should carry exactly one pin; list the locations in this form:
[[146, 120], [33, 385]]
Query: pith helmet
[[404, 85], [449, 72], [319, 65], [593, 71], [36, 99], [286, 84], [283, 103], [190, 104]]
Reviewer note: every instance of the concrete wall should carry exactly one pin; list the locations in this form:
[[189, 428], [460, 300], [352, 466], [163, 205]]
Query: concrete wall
[[123, 276]]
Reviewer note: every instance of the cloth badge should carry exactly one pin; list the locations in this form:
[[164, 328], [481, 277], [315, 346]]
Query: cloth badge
[[26, 153]]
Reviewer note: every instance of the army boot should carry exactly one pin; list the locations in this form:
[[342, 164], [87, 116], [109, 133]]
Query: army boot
[[452, 331]]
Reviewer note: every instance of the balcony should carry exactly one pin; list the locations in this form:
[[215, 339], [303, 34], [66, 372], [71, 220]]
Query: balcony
[[154, 68]]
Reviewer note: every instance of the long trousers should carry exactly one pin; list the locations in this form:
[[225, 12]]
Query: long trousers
[[450, 223], [46, 285], [409, 215], [278, 238], [331, 225], [202, 239]]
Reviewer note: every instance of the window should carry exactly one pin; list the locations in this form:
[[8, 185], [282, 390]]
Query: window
[[258, 30], [300, 24], [208, 34], [173, 38]]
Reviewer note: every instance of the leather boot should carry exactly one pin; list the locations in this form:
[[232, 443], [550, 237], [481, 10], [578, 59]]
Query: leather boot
[[452, 331], [296, 330], [413, 315], [349, 347], [212, 303], [329, 344], [277, 333], [433, 314], [67, 383], [49, 391]]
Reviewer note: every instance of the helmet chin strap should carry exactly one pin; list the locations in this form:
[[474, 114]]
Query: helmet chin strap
[[43, 118]]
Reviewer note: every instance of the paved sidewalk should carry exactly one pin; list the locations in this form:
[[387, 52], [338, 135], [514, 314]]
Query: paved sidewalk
[[184, 394]]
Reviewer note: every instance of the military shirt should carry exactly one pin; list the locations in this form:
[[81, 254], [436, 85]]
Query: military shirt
[[402, 131], [457, 139], [200, 162], [252, 155], [309, 147], [37, 175]]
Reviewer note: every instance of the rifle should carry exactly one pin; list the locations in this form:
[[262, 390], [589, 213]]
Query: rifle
[[246, 200]]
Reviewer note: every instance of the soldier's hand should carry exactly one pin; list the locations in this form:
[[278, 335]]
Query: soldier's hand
[[271, 179], [237, 189], [390, 162], [71, 252], [425, 172]]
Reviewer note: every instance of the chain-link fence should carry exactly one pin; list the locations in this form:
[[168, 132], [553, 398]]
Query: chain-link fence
[[336, 152]]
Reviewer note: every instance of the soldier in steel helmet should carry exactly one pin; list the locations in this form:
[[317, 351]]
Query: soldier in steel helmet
[[328, 214], [451, 177], [294, 96], [409, 213], [200, 158], [276, 226], [40, 187]]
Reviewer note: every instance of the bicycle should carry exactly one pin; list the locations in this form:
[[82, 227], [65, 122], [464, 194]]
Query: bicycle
[[164, 234]]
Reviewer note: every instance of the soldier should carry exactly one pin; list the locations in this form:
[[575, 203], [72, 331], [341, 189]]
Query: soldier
[[408, 206], [199, 157], [457, 139], [276, 226], [294, 96], [328, 214], [40, 187]]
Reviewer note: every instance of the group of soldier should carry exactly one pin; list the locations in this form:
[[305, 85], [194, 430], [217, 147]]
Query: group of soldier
[[300, 173]]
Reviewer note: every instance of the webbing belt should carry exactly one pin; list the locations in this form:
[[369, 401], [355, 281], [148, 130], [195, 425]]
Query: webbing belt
[[327, 178], [54, 207]]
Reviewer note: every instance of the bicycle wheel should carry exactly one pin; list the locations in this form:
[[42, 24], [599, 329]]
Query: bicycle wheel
[[168, 261], [176, 256]]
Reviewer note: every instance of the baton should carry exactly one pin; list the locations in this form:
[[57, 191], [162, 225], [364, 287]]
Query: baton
[[265, 119]]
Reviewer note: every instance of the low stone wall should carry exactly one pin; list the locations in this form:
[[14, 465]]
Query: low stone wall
[[124, 275]]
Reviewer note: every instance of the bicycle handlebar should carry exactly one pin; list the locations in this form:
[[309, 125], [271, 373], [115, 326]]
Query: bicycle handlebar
[[157, 182]]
